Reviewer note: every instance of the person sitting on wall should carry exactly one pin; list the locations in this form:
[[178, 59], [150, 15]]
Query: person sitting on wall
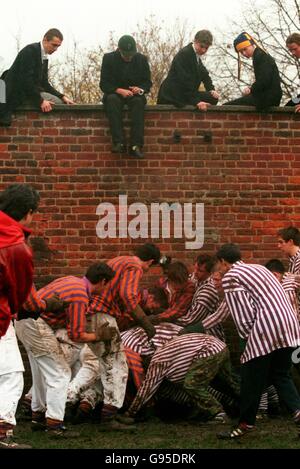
[[187, 72], [293, 45], [266, 90], [27, 78], [125, 79]]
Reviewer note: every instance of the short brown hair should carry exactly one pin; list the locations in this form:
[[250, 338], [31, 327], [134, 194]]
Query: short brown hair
[[295, 37], [178, 273], [53, 32], [290, 233], [208, 261], [204, 37]]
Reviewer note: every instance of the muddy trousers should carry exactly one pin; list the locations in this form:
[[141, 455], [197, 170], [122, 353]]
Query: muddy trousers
[[51, 373], [198, 377]]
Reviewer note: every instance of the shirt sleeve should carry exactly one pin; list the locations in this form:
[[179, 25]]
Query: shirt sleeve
[[221, 314], [34, 302], [179, 306], [242, 310], [204, 302], [129, 288], [264, 72], [155, 374], [108, 81], [145, 78], [76, 319]]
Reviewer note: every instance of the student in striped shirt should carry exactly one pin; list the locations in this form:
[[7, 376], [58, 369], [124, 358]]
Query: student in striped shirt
[[267, 325], [290, 282], [289, 243], [50, 371], [205, 302], [191, 359], [203, 267], [121, 298]]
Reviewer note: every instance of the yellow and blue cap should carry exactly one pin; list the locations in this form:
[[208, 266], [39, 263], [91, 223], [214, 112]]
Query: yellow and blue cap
[[243, 40]]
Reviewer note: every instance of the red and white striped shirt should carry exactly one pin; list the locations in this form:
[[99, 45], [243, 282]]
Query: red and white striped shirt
[[122, 294], [137, 340], [72, 289], [172, 362], [260, 309]]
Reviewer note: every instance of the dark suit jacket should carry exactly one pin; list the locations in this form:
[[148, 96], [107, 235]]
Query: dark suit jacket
[[116, 73], [27, 77], [266, 89], [184, 78]]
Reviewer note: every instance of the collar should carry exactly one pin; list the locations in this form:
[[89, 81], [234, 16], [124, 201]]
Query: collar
[[44, 55], [198, 57], [292, 258], [11, 231]]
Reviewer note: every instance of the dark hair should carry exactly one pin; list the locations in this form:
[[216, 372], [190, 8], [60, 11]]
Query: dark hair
[[99, 271], [290, 233], [18, 199], [148, 252], [204, 37], [178, 272], [53, 32], [160, 296], [275, 265], [293, 38], [208, 261], [229, 252]]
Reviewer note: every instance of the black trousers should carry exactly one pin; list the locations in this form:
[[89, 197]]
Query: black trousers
[[248, 100], [114, 105], [205, 96], [256, 374]]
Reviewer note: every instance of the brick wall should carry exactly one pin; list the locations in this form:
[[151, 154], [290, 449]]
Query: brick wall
[[244, 166]]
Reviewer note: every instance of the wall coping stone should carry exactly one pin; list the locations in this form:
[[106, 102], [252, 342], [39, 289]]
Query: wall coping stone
[[165, 108]]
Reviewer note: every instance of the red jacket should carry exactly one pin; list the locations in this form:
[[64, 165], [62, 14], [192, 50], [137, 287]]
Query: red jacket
[[16, 269]]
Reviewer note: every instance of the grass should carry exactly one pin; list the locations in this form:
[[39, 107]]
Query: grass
[[279, 433]]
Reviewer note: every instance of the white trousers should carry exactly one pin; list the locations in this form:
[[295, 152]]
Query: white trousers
[[113, 364], [106, 360], [51, 373], [84, 364], [11, 376]]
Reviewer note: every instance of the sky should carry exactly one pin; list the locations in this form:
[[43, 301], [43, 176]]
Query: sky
[[90, 21]]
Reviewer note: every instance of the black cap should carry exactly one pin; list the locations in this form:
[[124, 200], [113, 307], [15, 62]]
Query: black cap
[[127, 46]]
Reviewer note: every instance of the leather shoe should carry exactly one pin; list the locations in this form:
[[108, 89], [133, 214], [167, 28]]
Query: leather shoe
[[136, 151], [8, 443], [118, 148], [112, 425], [61, 433]]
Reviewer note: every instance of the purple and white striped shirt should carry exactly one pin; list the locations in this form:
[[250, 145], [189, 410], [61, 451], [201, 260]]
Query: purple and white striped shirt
[[137, 340], [219, 316], [291, 285], [294, 264], [260, 309], [205, 302], [294, 268], [172, 362]]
